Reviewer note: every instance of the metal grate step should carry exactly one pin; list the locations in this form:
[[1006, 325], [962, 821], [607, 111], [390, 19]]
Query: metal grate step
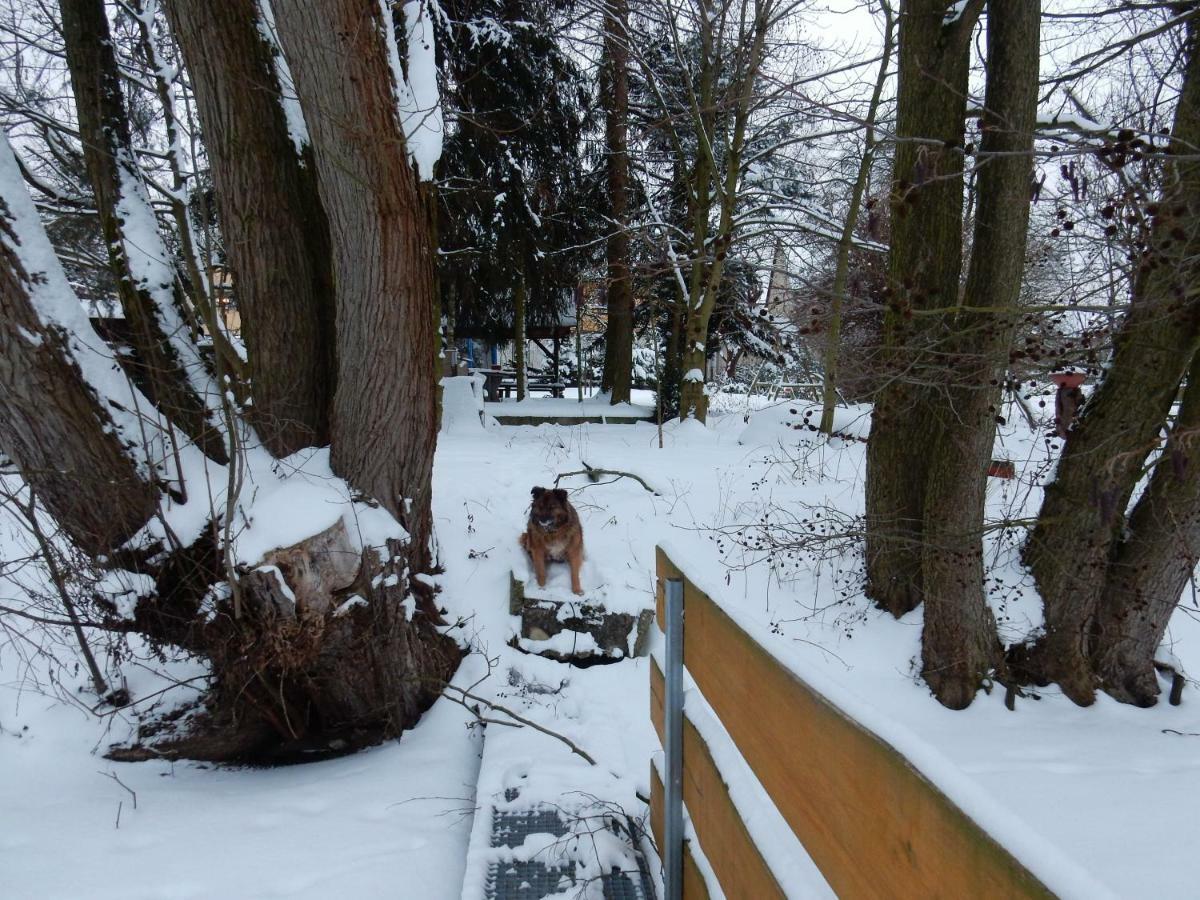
[[532, 880]]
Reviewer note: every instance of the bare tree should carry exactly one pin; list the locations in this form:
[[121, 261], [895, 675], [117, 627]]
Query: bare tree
[[841, 277], [1082, 519]]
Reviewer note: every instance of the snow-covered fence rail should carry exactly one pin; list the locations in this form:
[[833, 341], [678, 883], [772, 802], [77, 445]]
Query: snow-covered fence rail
[[873, 825]]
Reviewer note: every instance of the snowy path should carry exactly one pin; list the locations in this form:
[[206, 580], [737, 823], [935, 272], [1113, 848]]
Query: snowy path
[[603, 708]]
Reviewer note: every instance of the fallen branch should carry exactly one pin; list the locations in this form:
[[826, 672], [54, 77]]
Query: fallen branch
[[594, 474]]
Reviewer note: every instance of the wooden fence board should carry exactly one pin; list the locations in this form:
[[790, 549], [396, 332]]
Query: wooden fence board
[[874, 826], [694, 886], [732, 853]]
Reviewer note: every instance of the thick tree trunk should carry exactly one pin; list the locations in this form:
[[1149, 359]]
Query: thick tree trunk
[[618, 338], [276, 233], [1154, 563], [53, 423], [320, 657], [316, 652], [167, 366], [1083, 511], [380, 216], [960, 646], [925, 266]]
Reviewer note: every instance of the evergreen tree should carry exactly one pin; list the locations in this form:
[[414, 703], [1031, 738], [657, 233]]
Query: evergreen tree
[[512, 177]]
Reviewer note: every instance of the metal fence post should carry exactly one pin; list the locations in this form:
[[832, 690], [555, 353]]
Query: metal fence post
[[673, 720]]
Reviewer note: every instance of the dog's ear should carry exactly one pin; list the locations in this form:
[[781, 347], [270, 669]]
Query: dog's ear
[[560, 494], [537, 492]]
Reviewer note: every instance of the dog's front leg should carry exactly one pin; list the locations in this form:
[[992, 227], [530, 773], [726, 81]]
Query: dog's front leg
[[575, 558], [538, 554]]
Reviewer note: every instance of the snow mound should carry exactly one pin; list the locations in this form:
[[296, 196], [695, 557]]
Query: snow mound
[[462, 405], [788, 423]]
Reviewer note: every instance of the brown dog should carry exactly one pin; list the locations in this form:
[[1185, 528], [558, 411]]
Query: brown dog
[[554, 534]]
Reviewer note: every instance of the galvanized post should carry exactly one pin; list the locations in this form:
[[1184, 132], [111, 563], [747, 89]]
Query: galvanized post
[[673, 719]]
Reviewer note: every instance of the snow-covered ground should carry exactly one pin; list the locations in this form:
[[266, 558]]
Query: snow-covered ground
[[1092, 799]]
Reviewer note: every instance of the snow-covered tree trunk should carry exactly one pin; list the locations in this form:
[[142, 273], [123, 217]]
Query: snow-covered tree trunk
[[275, 230], [344, 61], [165, 79], [167, 364], [321, 648], [67, 416]]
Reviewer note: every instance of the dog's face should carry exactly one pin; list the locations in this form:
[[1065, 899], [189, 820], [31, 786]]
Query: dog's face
[[550, 510]]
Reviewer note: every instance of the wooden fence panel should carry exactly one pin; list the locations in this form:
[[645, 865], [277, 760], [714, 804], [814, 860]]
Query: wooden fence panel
[[872, 823], [723, 836], [694, 887]]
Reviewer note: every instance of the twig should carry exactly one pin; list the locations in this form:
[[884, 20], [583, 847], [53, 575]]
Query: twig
[[132, 792], [466, 695]]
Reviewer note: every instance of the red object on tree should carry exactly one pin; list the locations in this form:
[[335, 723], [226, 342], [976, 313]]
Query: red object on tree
[[1068, 380], [1067, 401]]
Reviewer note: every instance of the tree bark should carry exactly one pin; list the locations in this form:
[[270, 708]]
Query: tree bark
[[960, 647], [1154, 564], [618, 339], [519, 336], [925, 265], [53, 424], [275, 229], [1083, 510], [167, 366], [380, 216]]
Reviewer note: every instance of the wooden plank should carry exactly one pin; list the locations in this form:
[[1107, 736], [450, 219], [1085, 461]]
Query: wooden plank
[[874, 826], [694, 886], [731, 852]]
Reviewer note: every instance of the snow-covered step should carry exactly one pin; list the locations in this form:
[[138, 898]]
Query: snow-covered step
[[553, 622]]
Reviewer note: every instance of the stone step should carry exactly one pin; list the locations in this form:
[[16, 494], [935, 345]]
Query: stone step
[[575, 630]]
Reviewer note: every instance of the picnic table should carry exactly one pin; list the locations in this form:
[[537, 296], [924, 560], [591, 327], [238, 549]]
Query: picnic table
[[499, 383]]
